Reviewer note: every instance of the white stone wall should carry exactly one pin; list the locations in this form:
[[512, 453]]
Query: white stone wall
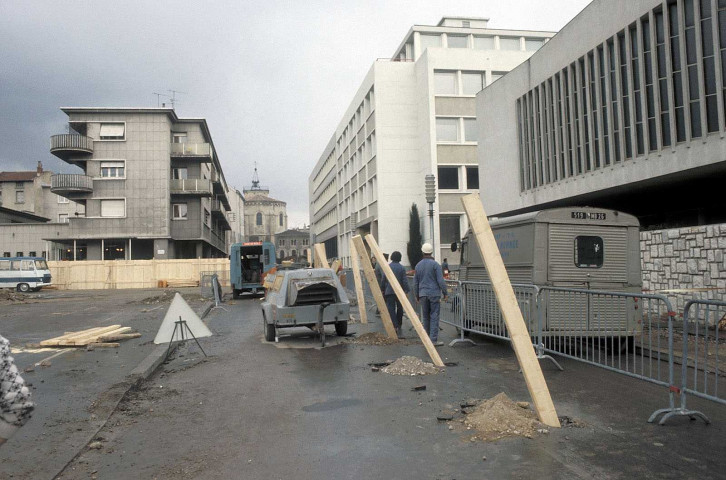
[[685, 258]]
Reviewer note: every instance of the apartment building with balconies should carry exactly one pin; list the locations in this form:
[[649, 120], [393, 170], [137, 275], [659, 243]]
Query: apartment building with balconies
[[413, 115], [151, 183]]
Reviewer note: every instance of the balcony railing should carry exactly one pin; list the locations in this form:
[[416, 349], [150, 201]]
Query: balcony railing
[[66, 145], [191, 149], [68, 184], [191, 186]]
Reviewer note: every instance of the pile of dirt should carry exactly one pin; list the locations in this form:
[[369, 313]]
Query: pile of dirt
[[168, 295], [373, 338], [8, 297], [500, 417], [410, 366]]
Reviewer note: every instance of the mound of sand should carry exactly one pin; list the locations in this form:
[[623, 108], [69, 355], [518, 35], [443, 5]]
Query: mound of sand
[[410, 366], [500, 417], [373, 338]]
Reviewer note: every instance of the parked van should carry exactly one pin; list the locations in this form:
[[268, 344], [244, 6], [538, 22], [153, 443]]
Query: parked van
[[570, 247], [249, 264], [24, 273]]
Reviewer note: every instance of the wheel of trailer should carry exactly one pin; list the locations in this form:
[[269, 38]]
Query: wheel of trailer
[[23, 287], [269, 331], [341, 328]]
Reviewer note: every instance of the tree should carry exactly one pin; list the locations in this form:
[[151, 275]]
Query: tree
[[413, 247]]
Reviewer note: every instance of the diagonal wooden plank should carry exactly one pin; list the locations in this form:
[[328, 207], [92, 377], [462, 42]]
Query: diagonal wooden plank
[[375, 288], [355, 265], [321, 257], [407, 307], [521, 341]]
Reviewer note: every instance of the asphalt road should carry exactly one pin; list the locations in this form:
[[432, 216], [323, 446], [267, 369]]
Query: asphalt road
[[78, 389], [257, 410]]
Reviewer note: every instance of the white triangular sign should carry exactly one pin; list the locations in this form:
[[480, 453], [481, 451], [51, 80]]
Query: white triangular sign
[[180, 308]]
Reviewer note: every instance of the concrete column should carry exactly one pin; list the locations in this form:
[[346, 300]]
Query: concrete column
[[103, 249], [74, 250]]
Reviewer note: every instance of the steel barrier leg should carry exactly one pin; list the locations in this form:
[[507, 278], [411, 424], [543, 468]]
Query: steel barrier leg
[[539, 349], [461, 339]]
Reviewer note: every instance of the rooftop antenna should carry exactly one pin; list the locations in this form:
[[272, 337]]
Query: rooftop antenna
[[158, 97], [173, 97]]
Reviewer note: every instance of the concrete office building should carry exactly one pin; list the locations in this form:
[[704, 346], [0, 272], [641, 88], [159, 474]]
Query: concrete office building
[[264, 216], [236, 217], [152, 185], [414, 114], [625, 108]]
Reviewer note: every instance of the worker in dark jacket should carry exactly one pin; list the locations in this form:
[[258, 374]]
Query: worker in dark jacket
[[395, 309], [428, 287]]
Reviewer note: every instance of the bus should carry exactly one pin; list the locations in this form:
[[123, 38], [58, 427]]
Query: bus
[[24, 274]]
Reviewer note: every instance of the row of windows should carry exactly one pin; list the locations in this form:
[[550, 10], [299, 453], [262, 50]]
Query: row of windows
[[258, 219], [652, 85], [456, 82], [293, 242], [456, 129], [4, 266], [456, 178], [478, 42]]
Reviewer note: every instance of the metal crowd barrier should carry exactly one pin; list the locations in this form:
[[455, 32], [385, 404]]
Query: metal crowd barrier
[[701, 359]]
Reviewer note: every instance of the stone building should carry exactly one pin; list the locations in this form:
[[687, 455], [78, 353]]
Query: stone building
[[264, 216], [293, 244]]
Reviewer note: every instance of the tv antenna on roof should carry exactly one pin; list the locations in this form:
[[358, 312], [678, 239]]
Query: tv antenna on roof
[[173, 97], [158, 97]]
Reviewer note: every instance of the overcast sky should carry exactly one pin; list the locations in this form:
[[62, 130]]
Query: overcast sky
[[273, 79]]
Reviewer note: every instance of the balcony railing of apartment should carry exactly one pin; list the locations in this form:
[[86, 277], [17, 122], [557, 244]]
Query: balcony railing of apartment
[[191, 150], [67, 145], [69, 184], [191, 186]]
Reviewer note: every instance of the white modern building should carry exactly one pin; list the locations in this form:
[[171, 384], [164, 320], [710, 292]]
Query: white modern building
[[624, 109], [413, 115]]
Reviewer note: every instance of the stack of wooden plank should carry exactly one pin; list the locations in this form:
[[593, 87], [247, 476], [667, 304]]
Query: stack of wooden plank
[[181, 283], [97, 337]]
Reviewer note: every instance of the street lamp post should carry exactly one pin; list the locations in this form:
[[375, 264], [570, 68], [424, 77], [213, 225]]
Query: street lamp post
[[430, 182]]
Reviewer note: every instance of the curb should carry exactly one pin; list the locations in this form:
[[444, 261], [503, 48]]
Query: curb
[[143, 371]]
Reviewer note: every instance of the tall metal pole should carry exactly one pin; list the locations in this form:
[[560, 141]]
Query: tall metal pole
[[430, 191], [431, 224]]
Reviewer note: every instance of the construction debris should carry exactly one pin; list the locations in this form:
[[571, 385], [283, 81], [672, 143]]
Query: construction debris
[[410, 366], [99, 337], [500, 417], [373, 338], [9, 297]]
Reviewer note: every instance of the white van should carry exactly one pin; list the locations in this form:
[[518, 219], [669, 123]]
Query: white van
[[24, 273]]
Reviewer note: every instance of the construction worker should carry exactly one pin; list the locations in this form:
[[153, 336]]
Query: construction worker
[[428, 287]]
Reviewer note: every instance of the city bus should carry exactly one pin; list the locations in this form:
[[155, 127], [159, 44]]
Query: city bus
[[24, 273]]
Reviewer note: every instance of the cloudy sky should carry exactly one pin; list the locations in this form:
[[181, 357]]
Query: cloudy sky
[[273, 78]]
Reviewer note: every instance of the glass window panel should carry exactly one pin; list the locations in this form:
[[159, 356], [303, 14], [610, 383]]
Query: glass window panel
[[448, 178], [532, 45], [509, 43], [445, 83], [449, 228], [430, 41], [472, 82], [472, 178], [484, 43], [470, 130], [447, 129], [458, 41]]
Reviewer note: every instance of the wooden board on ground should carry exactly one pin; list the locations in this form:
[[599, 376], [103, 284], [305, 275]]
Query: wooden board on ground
[[407, 307], [355, 265], [375, 288], [321, 257], [518, 333], [101, 336]]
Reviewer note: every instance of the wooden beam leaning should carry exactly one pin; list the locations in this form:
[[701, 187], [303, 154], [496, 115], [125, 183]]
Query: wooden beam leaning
[[518, 333], [407, 307], [375, 288], [355, 265], [321, 258]]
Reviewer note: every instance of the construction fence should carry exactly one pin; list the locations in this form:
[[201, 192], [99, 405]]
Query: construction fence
[[113, 274], [636, 334]]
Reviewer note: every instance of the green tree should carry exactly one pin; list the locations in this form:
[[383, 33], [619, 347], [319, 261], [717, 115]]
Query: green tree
[[413, 247]]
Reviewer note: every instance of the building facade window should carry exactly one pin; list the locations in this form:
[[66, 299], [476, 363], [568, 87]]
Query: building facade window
[[472, 178], [179, 173], [472, 82], [447, 129], [179, 137], [458, 41], [113, 131], [179, 211], [448, 178], [62, 199], [430, 41], [484, 43], [470, 130], [258, 219], [62, 218], [533, 44], [445, 83], [19, 196], [509, 43], [113, 208], [450, 229], [281, 220], [113, 169]]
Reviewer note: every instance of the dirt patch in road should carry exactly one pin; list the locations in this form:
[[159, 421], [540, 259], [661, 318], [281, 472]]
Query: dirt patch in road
[[167, 296], [500, 417], [10, 297], [378, 338], [411, 366]]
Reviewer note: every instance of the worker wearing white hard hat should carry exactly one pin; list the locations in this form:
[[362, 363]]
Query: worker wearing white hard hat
[[428, 287]]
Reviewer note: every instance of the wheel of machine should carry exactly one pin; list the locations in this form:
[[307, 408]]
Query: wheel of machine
[[341, 328], [269, 331], [23, 287]]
